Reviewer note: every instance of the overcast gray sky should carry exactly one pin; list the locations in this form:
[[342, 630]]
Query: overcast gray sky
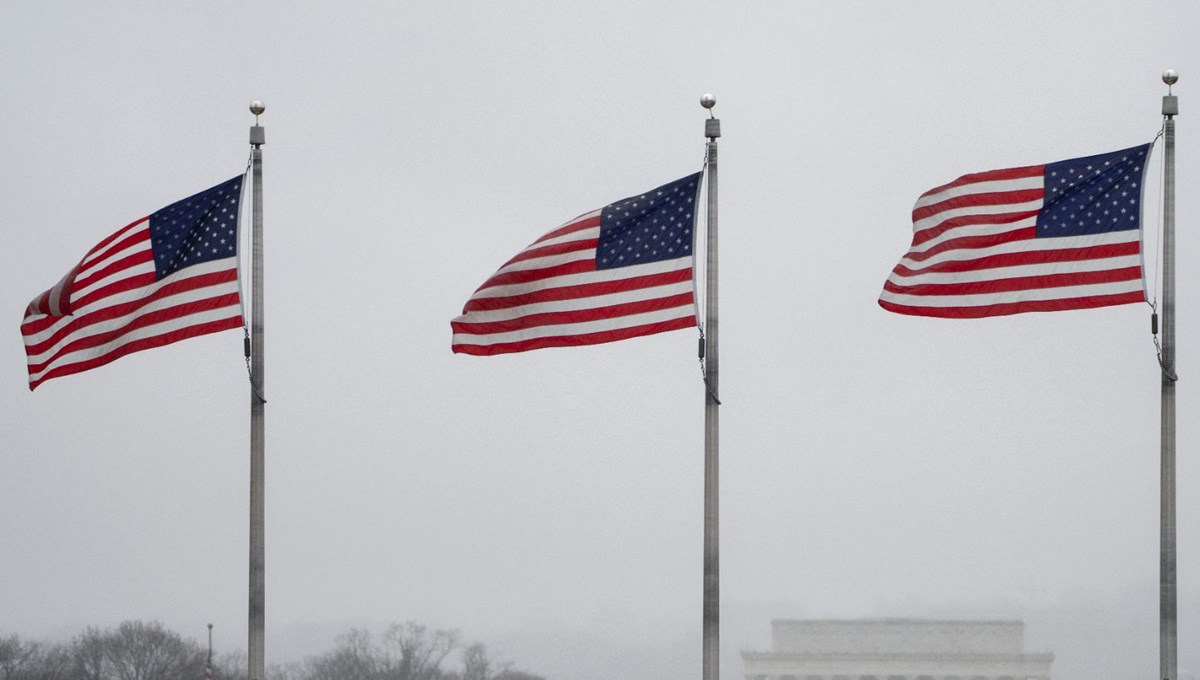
[[549, 503]]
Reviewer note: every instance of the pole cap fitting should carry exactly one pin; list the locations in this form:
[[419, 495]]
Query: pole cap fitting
[[712, 128]]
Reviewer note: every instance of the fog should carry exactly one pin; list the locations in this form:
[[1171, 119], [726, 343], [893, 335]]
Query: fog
[[549, 503]]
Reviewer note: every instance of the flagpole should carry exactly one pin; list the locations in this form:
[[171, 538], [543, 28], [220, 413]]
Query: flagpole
[[712, 553], [1168, 644], [257, 608]]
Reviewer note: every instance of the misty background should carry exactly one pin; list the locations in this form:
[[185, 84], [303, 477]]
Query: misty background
[[550, 503]]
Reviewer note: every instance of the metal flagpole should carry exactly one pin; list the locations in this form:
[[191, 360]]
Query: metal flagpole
[[1168, 643], [712, 553], [257, 615]]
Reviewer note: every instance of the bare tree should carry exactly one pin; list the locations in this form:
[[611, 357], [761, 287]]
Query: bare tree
[[353, 658], [88, 656], [477, 665], [406, 652], [33, 660], [147, 651], [14, 657], [416, 653], [231, 666]]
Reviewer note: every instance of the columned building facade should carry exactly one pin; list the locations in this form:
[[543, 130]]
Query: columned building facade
[[897, 649]]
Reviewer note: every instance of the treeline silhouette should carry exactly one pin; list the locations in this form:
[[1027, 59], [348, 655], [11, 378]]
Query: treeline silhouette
[[138, 650]]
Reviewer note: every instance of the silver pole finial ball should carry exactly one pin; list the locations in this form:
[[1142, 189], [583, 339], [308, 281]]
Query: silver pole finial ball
[[1170, 76], [708, 101], [257, 107]]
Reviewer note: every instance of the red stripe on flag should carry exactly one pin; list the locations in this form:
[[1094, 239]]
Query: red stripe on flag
[[118, 234], [1002, 285], [532, 275], [1004, 309], [553, 249], [978, 200], [581, 290], [142, 321], [88, 276], [577, 340], [966, 243], [990, 176], [116, 288], [578, 224], [1025, 257], [115, 311], [142, 344], [573, 316], [970, 220]]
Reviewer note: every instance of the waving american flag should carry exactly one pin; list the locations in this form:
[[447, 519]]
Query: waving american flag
[[619, 272]]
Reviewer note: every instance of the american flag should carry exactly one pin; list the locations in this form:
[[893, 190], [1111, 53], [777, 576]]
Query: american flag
[[619, 272], [1041, 238], [161, 279]]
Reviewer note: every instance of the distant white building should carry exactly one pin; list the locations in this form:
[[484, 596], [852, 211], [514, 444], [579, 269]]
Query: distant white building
[[897, 649]]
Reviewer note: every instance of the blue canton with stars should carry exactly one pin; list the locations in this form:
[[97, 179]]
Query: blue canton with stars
[[651, 227], [1093, 195], [197, 229]]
